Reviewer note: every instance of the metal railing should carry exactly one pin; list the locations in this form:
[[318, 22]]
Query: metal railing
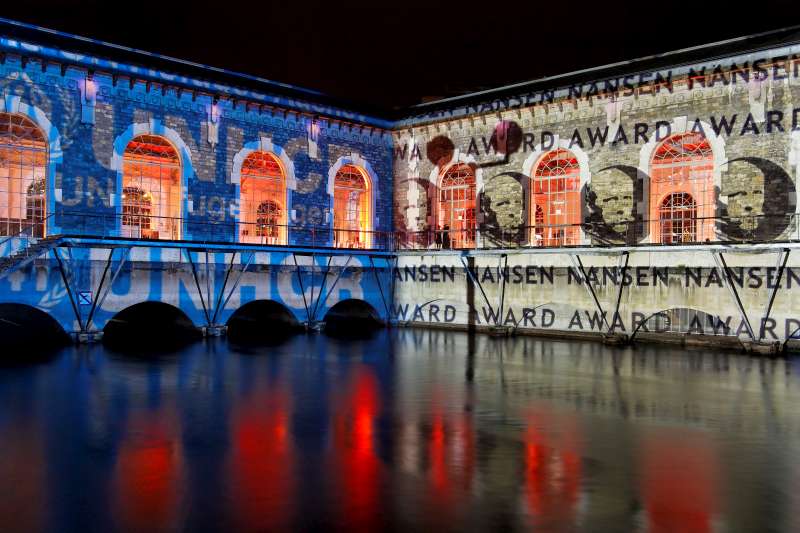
[[20, 240], [151, 227], [700, 230]]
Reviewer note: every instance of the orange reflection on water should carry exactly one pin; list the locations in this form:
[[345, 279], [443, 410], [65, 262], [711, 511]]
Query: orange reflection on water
[[679, 481], [147, 477], [23, 468], [552, 469], [357, 465], [451, 453], [262, 462]]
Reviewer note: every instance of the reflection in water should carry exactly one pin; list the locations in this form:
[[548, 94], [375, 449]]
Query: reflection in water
[[439, 431]]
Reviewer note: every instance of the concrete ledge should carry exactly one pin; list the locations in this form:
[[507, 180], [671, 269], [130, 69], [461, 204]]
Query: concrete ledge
[[710, 342]]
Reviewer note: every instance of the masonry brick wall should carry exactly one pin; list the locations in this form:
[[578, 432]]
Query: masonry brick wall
[[85, 185], [756, 162]]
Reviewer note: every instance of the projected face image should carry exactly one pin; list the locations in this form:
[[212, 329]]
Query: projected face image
[[745, 194], [507, 202], [613, 199]]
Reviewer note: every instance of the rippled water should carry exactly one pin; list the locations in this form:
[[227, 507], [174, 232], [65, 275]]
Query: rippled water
[[410, 429]]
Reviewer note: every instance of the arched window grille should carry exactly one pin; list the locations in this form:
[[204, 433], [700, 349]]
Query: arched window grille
[[268, 221], [263, 196], [23, 185], [677, 217], [555, 199], [151, 189], [682, 170], [352, 217], [457, 207]]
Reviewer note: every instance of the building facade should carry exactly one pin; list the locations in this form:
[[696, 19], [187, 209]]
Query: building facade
[[653, 195]]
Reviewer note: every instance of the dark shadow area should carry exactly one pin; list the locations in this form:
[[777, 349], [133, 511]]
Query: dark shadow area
[[149, 328], [28, 335], [352, 319], [262, 322]]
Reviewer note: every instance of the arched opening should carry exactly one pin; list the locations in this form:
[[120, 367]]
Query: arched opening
[[263, 198], [149, 327], [352, 318], [151, 189], [555, 199], [457, 207], [28, 333], [262, 321], [677, 217], [681, 186], [352, 208], [23, 185]]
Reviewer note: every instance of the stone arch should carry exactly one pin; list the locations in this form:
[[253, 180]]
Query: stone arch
[[264, 144], [157, 128], [585, 175], [165, 323], [680, 125], [358, 161], [262, 320], [55, 156], [352, 316], [23, 327]]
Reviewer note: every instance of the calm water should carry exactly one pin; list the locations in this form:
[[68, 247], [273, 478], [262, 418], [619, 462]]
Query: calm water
[[408, 430]]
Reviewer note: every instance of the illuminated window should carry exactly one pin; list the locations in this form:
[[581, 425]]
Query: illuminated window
[[351, 208], [556, 200], [677, 217], [682, 188], [263, 216], [23, 160], [151, 189], [456, 224]]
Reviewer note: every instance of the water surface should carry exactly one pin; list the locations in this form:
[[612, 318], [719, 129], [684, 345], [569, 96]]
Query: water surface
[[409, 429]]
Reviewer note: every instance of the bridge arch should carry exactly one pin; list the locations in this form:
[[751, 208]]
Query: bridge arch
[[262, 321], [352, 316], [151, 326], [24, 327]]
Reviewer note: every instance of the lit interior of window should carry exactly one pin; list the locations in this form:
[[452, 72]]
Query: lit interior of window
[[23, 160], [351, 208], [682, 200], [263, 195], [457, 207], [555, 200], [151, 189]]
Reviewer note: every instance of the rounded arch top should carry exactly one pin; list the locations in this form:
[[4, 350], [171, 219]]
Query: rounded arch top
[[266, 145], [14, 105], [355, 160], [153, 128], [539, 152]]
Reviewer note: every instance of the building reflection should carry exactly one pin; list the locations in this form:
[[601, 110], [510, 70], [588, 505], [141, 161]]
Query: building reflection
[[148, 473], [355, 464], [262, 461], [552, 470], [679, 480]]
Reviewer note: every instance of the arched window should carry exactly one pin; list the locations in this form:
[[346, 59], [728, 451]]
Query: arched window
[[677, 217], [263, 197], [151, 189], [682, 171], [457, 207], [556, 199], [352, 217], [23, 161]]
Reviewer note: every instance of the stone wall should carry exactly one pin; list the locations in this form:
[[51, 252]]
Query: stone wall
[[748, 109]]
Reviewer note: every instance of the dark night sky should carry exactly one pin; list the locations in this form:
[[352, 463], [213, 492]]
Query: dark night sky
[[397, 53]]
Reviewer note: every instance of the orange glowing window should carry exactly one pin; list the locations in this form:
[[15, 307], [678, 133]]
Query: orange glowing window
[[555, 200], [151, 189], [677, 217], [457, 207], [23, 160], [263, 197], [682, 197], [352, 219]]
